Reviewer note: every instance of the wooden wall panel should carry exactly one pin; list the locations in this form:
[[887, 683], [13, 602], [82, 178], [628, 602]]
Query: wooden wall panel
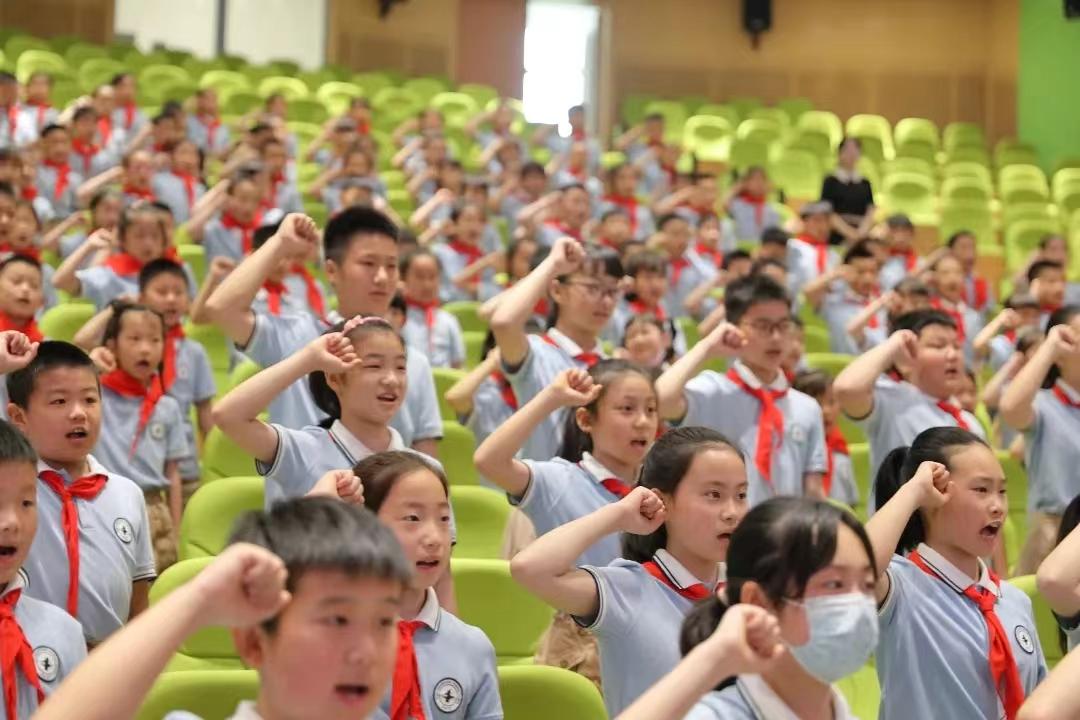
[[418, 37], [90, 19]]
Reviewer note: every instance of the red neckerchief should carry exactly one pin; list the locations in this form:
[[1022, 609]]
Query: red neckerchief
[[865, 302], [42, 109], [211, 123], [173, 336], [15, 654], [141, 193], [758, 202], [588, 358], [472, 253], [505, 390], [275, 182], [639, 308], [63, 171], [577, 135], [770, 422], [627, 203], [716, 256], [613, 485], [123, 264], [955, 411], [822, 248], [189, 186], [406, 696], [313, 294], [956, 313], [129, 115], [363, 128], [30, 251], [1058, 393], [247, 230], [13, 119], [608, 243], [1003, 671], [274, 291], [28, 328], [677, 266], [693, 593], [124, 384], [834, 443], [104, 125], [564, 229], [980, 292], [86, 151], [1010, 335], [1049, 308], [429, 316], [671, 172], [29, 192], [911, 258], [84, 488], [541, 307]]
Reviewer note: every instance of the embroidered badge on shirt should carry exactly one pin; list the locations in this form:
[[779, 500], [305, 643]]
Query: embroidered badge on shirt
[[157, 431], [47, 663], [1023, 637], [448, 695], [123, 530]]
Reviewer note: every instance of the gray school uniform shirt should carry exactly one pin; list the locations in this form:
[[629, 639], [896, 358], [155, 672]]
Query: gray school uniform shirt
[[843, 486], [32, 120], [560, 491], [22, 132], [802, 264], [635, 654], [170, 189], [451, 262], [194, 383], [543, 362], [245, 710], [684, 280], [161, 440], [456, 663], [200, 134], [932, 656], [57, 642], [745, 217], [220, 241], [92, 165], [715, 401], [641, 219], [287, 198], [1051, 449], [115, 550], [100, 284], [443, 343], [276, 337], [838, 308], [892, 271], [750, 698], [119, 121], [46, 181]]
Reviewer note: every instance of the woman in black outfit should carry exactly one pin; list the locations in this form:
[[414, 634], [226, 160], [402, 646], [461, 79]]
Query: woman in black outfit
[[850, 194]]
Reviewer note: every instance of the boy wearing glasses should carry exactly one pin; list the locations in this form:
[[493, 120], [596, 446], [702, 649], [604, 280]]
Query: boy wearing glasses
[[780, 430]]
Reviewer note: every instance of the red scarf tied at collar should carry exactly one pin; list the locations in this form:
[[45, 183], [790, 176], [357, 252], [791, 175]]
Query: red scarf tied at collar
[[28, 328], [758, 202], [247, 230], [124, 384]]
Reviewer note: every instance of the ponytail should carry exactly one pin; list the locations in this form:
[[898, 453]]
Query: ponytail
[[890, 477]]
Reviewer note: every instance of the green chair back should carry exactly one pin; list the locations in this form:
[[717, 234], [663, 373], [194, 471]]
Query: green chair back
[[917, 129], [957, 134], [674, 115], [480, 514], [308, 110], [98, 71], [862, 692], [78, 53], [456, 453], [425, 88], [794, 107], [860, 463], [968, 153], [744, 105], [721, 111], [16, 45], [242, 372], [336, 95], [195, 258], [762, 130], [798, 173], [212, 511], [1016, 486], [1045, 622], [467, 313], [976, 217], [240, 102], [222, 458], [217, 349], [824, 122], [63, 321], [445, 378], [816, 340], [474, 348], [481, 94], [484, 591], [224, 81], [966, 188], [291, 87], [155, 74], [35, 60], [541, 692], [457, 108], [209, 648], [372, 82], [832, 363], [209, 694]]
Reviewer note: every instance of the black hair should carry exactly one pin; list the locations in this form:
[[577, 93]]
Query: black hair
[[850, 138], [918, 320], [127, 219], [324, 396], [951, 242], [17, 257], [646, 260], [937, 444], [913, 286], [654, 117], [263, 233], [408, 258], [599, 260], [51, 354], [382, 470], [613, 212], [397, 302], [7, 78], [665, 465], [1038, 267], [52, 128], [160, 266], [119, 78], [779, 546], [1048, 238], [1061, 316], [533, 168], [102, 195], [814, 383], [352, 222], [667, 218], [859, 251], [319, 533], [744, 293], [120, 308], [84, 111], [8, 189], [605, 373], [734, 256], [1028, 337], [761, 264], [14, 447], [1021, 300], [774, 236]]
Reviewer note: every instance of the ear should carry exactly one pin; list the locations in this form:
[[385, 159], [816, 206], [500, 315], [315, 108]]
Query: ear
[[336, 381], [557, 291], [332, 271], [16, 415], [584, 420], [752, 593], [250, 645]]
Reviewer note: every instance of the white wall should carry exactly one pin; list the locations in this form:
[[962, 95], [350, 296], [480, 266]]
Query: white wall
[[264, 30], [181, 24]]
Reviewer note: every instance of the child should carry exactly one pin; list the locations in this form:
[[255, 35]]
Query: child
[[92, 521], [22, 240], [942, 504], [780, 428], [838, 482], [232, 234], [1046, 281], [685, 272], [677, 525], [713, 240], [126, 117], [204, 126], [774, 245], [42, 645], [907, 384], [37, 110], [948, 280], [312, 589], [88, 157], [1043, 402], [361, 249], [749, 207], [444, 666], [518, 193], [584, 288], [283, 193], [977, 291], [483, 398], [809, 254], [56, 180], [1057, 576], [570, 213], [143, 428], [181, 186], [462, 248], [645, 342], [429, 329], [842, 294], [805, 569], [997, 340], [622, 189], [648, 273], [903, 261], [289, 288], [21, 298]]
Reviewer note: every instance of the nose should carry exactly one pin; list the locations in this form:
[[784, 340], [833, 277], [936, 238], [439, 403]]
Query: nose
[[361, 649], [9, 520], [382, 275]]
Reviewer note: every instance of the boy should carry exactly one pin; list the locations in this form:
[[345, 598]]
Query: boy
[[92, 554], [13, 133], [126, 116], [41, 644], [429, 330], [571, 212], [283, 194], [838, 483], [514, 196], [289, 288], [774, 245], [37, 110], [640, 138], [313, 589], [648, 271], [749, 207], [903, 261], [1046, 281], [21, 298], [809, 255], [232, 234], [948, 280], [56, 181], [907, 384], [997, 341], [361, 250], [780, 430], [842, 294], [87, 156], [686, 272], [977, 291], [614, 229], [204, 125]]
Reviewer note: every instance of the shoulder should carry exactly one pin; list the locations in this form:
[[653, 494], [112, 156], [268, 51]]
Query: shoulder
[[727, 704], [194, 348], [469, 639], [416, 362], [48, 623], [713, 380], [554, 468]]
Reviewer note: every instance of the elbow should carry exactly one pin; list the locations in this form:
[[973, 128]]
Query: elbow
[[220, 415], [522, 570]]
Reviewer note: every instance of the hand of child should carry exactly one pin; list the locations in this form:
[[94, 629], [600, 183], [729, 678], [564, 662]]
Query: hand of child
[[103, 358], [725, 341], [16, 351], [933, 484], [297, 235], [332, 353], [1063, 341], [575, 388], [566, 255], [220, 267], [340, 484], [445, 196], [243, 586], [747, 640], [1009, 319], [642, 512], [100, 239], [905, 345]]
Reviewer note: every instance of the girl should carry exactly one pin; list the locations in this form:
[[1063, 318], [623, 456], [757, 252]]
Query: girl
[[181, 186], [678, 523], [1043, 402], [22, 240], [646, 342], [838, 482], [949, 286], [462, 248], [445, 668], [1058, 579], [584, 288], [942, 504], [105, 208], [622, 193], [805, 570], [142, 430], [231, 235]]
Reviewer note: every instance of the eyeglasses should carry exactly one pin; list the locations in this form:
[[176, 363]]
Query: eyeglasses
[[594, 291], [766, 328]]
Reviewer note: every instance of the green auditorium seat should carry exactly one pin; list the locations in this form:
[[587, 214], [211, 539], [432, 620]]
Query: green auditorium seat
[[830, 362], [474, 348], [93, 72], [222, 458], [445, 378], [1022, 237], [457, 108], [156, 74], [456, 453], [957, 134], [761, 130], [1010, 151], [315, 79], [871, 129], [744, 105], [480, 93], [794, 107], [392, 105], [308, 110], [966, 168], [540, 692], [336, 95], [1047, 212], [63, 321], [371, 82], [968, 153], [16, 45], [912, 194], [1016, 489], [913, 129], [797, 173], [209, 694], [966, 188], [212, 511], [211, 648], [240, 102], [674, 116], [47, 61], [823, 122], [708, 137], [484, 591], [216, 345], [425, 88], [860, 463], [632, 108], [693, 102], [722, 111], [178, 90], [862, 692], [480, 514], [816, 339], [972, 216], [292, 88], [225, 81], [285, 67]]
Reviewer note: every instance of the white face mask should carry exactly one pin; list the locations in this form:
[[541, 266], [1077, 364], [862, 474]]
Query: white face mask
[[843, 635]]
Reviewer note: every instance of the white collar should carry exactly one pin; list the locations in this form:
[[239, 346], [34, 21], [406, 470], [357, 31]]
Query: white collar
[[843, 175], [951, 400], [679, 575], [355, 450], [17, 583], [94, 467], [594, 467], [246, 711], [767, 705], [748, 377], [568, 346], [954, 576], [430, 611], [1069, 391]]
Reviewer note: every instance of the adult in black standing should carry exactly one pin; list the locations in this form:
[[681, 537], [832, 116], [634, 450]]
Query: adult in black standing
[[851, 196]]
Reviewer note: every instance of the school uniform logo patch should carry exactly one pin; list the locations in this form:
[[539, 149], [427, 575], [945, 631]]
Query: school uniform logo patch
[[123, 530], [1023, 637], [448, 695], [47, 663], [182, 372], [157, 431], [798, 433]]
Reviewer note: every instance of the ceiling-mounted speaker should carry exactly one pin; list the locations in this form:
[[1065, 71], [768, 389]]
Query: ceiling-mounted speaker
[[1072, 9], [757, 18]]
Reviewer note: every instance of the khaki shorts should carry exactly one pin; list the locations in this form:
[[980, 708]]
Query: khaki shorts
[[567, 645], [188, 487], [1042, 537], [162, 534]]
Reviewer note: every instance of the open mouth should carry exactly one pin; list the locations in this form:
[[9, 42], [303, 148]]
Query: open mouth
[[991, 531], [387, 397], [724, 537], [351, 693], [77, 434], [7, 551], [639, 443], [427, 564]]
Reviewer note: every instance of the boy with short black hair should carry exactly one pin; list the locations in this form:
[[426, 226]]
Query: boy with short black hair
[[809, 254], [570, 213], [1047, 283], [780, 430], [648, 272], [87, 156], [838, 482], [204, 126], [428, 328], [56, 180], [903, 261], [37, 111], [749, 206], [842, 293], [949, 297], [978, 294], [686, 271]]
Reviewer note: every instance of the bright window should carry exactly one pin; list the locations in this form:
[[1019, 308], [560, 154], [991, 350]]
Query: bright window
[[560, 42]]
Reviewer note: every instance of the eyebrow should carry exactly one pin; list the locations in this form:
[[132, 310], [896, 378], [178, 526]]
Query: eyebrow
[[415, 504]]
